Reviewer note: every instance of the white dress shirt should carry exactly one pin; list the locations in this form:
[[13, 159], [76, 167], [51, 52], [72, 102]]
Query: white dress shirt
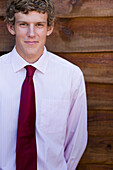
[[61, 111]]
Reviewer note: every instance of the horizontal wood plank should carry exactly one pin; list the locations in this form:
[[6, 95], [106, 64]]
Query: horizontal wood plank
[[97, 67], [82, 35], [99, 151], [76, 8], [68, 36], [100, 123], [94, 167], [99, 96]]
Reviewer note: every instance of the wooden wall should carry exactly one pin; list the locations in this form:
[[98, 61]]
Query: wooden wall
[[84, 36]]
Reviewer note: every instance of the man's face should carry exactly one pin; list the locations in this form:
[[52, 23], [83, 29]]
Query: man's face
[[31, 31]]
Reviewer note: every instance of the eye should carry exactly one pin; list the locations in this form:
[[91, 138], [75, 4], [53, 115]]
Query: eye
[[23, 24], [39, 25]]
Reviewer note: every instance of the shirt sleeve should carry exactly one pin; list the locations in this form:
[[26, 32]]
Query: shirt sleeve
[[76, 135]]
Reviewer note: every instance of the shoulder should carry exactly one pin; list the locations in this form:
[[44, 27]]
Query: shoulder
[[5, 63], [63, 64], [4, 58]]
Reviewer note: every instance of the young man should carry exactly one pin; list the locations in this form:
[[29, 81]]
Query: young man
[[54, 101]]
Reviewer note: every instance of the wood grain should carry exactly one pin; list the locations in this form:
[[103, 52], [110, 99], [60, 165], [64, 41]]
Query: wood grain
[[100, 123], [100, 96], [3, 4], [99, 150], [97, 67], [7, 40], [82, 35], [94, 167], [78, 8]]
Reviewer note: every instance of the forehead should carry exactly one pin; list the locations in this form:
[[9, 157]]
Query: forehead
[[32, 16]]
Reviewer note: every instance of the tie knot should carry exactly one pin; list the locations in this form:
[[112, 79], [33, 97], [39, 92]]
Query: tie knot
[[30, 70]]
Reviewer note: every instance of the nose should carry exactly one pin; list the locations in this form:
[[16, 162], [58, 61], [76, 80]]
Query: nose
[[31, 31]]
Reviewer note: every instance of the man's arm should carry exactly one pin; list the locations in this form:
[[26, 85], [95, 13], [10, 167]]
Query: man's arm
[[76, 136]]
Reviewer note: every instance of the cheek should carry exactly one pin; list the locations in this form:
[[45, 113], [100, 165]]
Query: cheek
[[41, 33], [43, 36], [20, 33]]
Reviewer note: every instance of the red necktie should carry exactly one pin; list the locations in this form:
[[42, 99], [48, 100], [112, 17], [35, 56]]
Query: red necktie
[[26, 154]]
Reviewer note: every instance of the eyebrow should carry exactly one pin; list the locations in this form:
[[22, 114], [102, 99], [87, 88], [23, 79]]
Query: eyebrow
[[28, 22]]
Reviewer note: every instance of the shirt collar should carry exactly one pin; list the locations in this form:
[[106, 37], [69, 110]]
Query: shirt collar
[[18, 62]]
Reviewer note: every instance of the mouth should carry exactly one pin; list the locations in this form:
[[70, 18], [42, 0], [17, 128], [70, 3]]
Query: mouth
[[31, 42]]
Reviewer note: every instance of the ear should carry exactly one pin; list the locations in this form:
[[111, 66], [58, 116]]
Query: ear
[[11, 29], [50, 30]]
